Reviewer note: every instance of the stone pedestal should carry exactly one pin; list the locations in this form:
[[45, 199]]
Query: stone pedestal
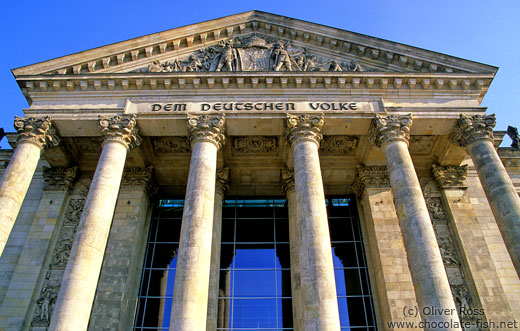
[[475, 133], [287, 181], [318, 285], [82, 273], [34, 134], [221, 186], [190, 295], [391, 133], [391, 272]]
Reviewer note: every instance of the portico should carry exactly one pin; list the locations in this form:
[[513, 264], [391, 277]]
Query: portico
[[327, 142]]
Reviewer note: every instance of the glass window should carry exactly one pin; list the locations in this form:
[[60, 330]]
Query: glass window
[[255, 276]]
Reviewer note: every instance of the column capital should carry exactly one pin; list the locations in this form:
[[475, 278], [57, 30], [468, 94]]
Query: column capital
[[470, 129], [59, 178], [388, 128], [450, 176], [138, 178], [121, 128], [370, 177], [287, 180], [222, 182], [304, 127], [37, 131], [207, 128]]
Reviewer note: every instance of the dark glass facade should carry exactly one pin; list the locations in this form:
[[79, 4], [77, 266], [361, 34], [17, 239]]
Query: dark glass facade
[[255, 280]]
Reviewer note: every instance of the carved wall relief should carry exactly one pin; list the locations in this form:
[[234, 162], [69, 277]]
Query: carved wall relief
[[252, 53], [89, 144], [338, 144], [60, 256], [254, 144], [421, 144], [450, 254], [171, 144]]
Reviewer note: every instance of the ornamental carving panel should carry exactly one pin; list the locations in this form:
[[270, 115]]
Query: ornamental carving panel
[[449, 252], [59, 178], [370, 177], [287, 180], [90, 145], [255, 144], [338, 144], [171, 144], [450, 176], [252, 53], [60, 256], [421, 144], [222, 180]]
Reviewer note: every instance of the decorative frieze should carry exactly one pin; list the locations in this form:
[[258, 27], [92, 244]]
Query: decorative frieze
[[304, 127], [207, 128], [60, 256], [171, 144], [90, 145], [450, 176], [387, 128], [223, 178], [449, 253], [287, 180], [338, 144], [38, 131], [370, 177], [470, 129], [122, 129], [255, 144], [59, 178]]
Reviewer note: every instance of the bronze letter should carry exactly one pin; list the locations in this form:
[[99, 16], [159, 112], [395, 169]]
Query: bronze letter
[[156, 107]]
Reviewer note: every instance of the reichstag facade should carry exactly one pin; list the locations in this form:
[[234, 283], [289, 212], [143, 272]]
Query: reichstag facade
[[257, 172]]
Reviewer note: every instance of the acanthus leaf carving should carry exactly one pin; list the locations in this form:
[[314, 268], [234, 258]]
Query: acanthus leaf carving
[[470, 129], [287, 180], [138, 178], [38, 131], [120, 128], [59, 178], [207, 128], [450, 176], [304, 127], [388, 128], [370, 177]]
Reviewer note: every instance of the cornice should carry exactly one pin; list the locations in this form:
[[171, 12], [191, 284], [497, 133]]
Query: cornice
[[477, 83], [189, 38]]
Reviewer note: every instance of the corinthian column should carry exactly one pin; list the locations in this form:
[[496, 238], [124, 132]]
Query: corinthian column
[[287, 181], [34, 134], [392, 133], [475, 133], [74, 303], [190, 294], [221, 186], [318, 286]]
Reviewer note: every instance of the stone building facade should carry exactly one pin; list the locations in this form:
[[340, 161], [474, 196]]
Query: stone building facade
[[258, 172]]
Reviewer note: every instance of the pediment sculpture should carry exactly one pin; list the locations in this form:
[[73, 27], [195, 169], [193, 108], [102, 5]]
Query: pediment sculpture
[[252, 53]]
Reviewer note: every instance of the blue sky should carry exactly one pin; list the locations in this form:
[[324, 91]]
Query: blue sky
[[478, 30]]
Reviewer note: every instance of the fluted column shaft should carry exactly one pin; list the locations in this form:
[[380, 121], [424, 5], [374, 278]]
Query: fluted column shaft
[[476, 135], [315, 254], [86, 257], [221, 187], [190, 296], [33, 135], [287, 179], [432, 288]]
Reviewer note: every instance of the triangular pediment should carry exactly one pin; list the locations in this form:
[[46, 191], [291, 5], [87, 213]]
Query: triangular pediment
[[254, 41]]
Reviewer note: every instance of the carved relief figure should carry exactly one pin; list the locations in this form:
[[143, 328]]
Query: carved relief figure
[[281, 57], [228, 59]]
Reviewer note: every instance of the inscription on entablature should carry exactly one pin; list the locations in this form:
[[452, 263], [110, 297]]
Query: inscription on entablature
[[254, 144], [258, 106], [171, 144]]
